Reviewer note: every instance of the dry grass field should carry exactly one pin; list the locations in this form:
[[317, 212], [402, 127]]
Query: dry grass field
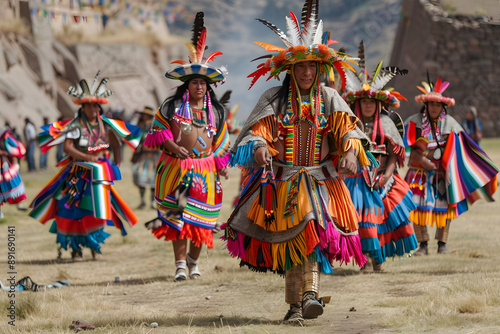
[[455, 293]]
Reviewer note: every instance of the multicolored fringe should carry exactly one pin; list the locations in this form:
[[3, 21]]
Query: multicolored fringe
[[470, 173], [195, 181], [159, 132], [82, 191], [323, 238], [198, 235], [243, 156], [429, 194], [52, 135]]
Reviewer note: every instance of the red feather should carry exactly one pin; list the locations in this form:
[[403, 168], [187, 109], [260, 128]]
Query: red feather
[[257, 74], [294, 19], [182, 62], [437, 86], [341, 70], [200, 46], [399, 96], [212, 56]]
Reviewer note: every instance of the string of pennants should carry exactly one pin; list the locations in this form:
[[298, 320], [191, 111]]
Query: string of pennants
[[172, 11]]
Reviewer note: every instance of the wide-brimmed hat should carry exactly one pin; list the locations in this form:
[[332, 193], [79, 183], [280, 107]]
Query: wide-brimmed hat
[[198, 65], [148, 111], [97, 93]]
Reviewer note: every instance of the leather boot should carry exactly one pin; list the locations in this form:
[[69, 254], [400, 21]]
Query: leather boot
[[442, 248], [422, 250]]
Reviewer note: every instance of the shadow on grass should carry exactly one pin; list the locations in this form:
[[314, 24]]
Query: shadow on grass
[[193, 321], [136, 281]]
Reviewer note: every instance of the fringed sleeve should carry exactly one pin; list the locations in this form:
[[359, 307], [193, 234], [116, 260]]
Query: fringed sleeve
[[341, 124], [130, 133], [221, 148], [398, 150], [470, 173], [158, 133], [267, 128]]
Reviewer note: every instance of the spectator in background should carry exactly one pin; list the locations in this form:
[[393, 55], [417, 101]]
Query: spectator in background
[[472, 125], [30, 140], [43, 156]]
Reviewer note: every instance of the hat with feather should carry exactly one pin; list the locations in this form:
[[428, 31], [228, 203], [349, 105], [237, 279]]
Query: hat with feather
[[434, 92], [198, 65], [304, 42], [97, 93], [362, 86]]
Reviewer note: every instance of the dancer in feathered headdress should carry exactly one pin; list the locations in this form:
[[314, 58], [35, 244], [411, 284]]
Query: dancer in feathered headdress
[[448, 171], [190, 130], [80, 197], [381, 197], [295, 216]]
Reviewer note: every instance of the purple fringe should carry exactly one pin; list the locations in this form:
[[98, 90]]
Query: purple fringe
[[157, 138], [338, 247], [221, 162], [234, 247]]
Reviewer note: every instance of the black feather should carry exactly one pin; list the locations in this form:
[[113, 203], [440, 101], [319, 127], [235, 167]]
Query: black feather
[[198, 26], [396, 70], [225, 98], [262, 57], [310, 6], [361, 55], [277, 31]]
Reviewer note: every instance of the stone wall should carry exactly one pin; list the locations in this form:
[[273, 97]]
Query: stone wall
[[464, 50]]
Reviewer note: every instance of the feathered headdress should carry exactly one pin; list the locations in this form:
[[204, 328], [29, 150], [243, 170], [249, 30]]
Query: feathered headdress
[[97, 93], [304, 41], [198, 65], [362, 86], [433, 92]]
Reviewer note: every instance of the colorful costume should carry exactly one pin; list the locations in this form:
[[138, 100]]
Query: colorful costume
[[296, 217], [11, 186], [462, 174], [81, 197], [384, 227], [188, 192]]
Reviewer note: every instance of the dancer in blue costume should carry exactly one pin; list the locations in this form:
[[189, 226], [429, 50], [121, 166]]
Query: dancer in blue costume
[[81, 197]]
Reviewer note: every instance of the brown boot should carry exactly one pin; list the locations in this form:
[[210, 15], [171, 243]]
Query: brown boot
[[377, 267], [294, 315], [442, 248], [422, 250]]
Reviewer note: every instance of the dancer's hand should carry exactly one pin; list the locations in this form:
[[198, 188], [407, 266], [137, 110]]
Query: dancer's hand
[[349, 162], [181, 152], [262, 156], [224, 172]]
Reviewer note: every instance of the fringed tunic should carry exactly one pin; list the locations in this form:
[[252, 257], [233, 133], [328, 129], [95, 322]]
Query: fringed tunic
[[384, 227], [300, 209]]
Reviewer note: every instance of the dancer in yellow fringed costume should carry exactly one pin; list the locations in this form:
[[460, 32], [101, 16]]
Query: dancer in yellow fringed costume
[[295, 215]]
